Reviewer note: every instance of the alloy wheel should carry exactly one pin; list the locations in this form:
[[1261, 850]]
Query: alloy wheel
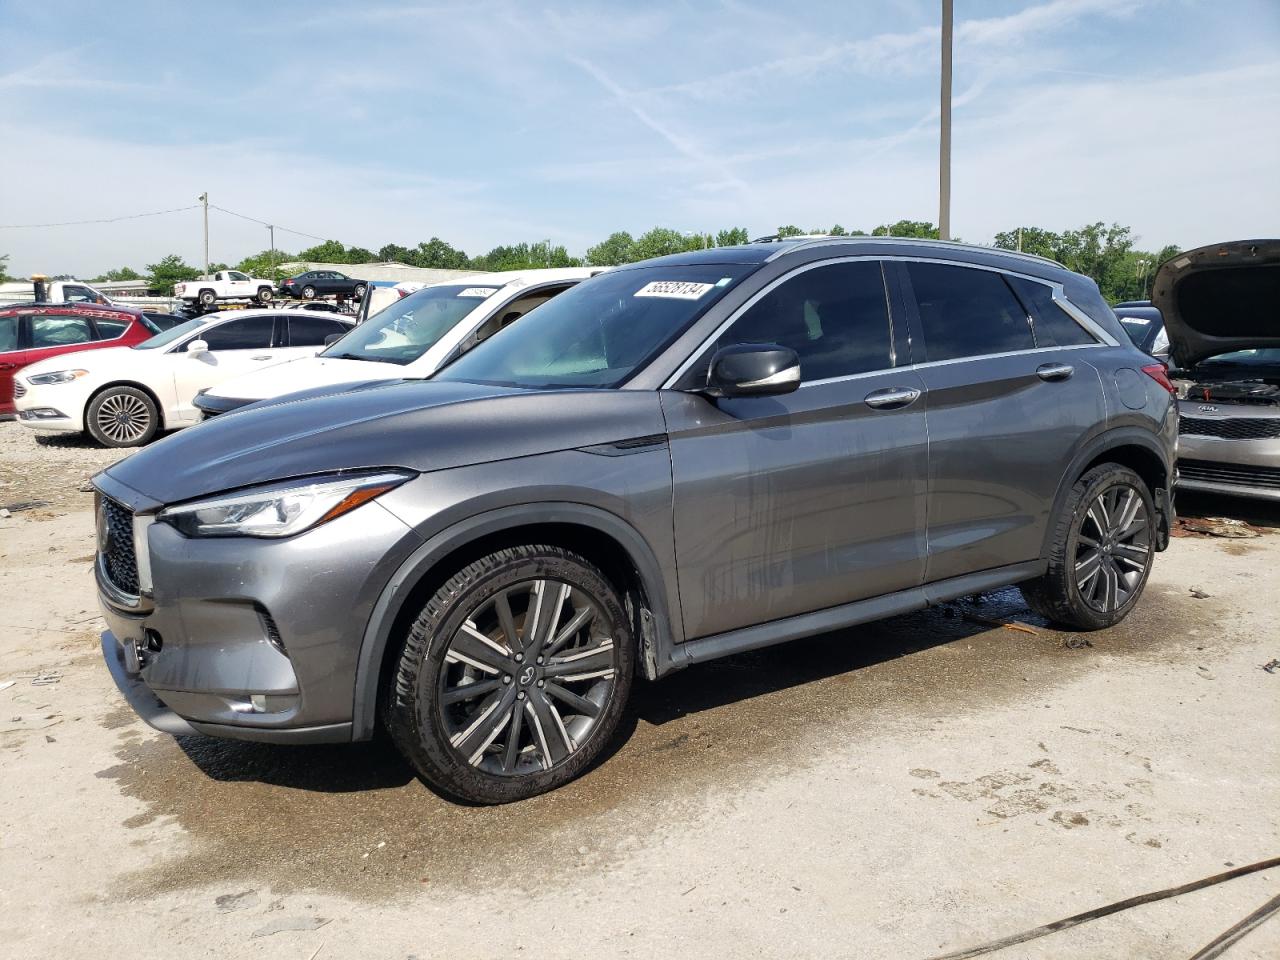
[[123, 418], [527, 676], [1113, 548]]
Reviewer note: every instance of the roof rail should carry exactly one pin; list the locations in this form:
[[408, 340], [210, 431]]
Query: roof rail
[[912, 241], [775, 237]]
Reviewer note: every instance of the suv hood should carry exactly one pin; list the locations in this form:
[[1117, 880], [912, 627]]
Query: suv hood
[[1220, 298], [423, 425]]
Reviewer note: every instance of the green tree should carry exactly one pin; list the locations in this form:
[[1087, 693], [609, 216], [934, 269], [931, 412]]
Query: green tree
[[617, 248], [394, 253], [115, 276], [215, 267], [331, 251], [4, 272], [1107, 254], [170, 270], [360, 255], [838, 231], [438, 255], [658, 242], [790, 230], [921, 229], [266, 264], [733, 237], [525, 256]]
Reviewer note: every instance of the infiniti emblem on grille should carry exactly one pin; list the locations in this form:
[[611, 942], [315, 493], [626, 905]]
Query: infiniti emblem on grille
[[1207, 408]]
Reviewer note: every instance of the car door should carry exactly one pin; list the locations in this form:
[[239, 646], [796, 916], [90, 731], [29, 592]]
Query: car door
[[793, 503], [235, 347], [1004, 414], [11, 359], [238, 284]]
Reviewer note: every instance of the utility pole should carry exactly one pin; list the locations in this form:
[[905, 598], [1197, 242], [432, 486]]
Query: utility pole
[[944, 142], [204, 198], [272, 230]]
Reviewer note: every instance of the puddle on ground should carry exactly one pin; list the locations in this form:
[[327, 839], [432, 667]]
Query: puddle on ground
[[353, 820]]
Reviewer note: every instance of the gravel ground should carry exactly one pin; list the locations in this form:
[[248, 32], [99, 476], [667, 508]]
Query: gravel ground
[[893, 791]]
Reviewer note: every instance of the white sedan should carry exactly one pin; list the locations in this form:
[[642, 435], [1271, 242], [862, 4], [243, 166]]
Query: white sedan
[[124, 395], [413, 337]]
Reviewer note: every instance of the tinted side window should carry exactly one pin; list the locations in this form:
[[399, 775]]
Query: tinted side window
[[834, 317], [967, 312], [310, 331], [110, 329], [8, 333], [59, 331], [251, 333], [1053, 325]]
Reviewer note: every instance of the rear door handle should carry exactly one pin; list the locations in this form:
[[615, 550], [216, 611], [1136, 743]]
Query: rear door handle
[[892, 398], [1055, 371]]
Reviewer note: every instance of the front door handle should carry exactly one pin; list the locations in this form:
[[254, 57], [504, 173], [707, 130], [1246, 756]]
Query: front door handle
[[1055, 371], [892, 398], [8, 366]]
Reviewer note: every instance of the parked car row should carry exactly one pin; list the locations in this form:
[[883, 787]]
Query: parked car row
[[672, 461]]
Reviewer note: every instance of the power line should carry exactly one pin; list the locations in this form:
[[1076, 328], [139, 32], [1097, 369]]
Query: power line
[[77, 223], [309, 236]]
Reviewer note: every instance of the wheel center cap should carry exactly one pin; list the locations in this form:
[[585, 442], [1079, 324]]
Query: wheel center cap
[[527, 675]]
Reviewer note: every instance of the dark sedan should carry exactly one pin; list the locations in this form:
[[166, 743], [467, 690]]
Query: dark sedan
[[322, 283]]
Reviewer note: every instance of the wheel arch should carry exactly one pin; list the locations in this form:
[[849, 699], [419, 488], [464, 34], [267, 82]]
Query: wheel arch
[[1137, 449], [604, 538], [98, 391]]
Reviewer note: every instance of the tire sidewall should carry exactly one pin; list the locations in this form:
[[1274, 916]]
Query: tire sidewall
[[264, 295], [308, 293], [1094, 484], [91, 413], [428, 744], [207, 298]]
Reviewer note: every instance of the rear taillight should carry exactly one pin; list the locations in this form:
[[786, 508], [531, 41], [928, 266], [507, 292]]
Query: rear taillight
[[1160, 374], [289, 282]]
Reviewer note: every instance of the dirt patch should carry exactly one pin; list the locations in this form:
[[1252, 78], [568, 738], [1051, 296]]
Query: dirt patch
[[353, 819], [45, 479]]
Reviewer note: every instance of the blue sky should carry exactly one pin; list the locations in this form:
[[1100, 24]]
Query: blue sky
[[490, 122]]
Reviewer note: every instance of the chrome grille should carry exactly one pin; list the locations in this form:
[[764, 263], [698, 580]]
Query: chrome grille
[[1234, 428], [19, 388], [1233, 474], [115, 545]]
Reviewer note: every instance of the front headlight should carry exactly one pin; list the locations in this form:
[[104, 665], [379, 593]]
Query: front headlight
[[58, 376], [282, 509]]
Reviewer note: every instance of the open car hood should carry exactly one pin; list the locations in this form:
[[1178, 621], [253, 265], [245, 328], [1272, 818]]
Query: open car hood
[[1220, 298]]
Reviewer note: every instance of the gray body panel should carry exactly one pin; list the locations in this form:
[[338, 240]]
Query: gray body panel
[[745, 521]]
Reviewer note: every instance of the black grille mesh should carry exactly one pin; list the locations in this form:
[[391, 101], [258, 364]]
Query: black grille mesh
[[119, 559], [1229, 473], [1236, 428]]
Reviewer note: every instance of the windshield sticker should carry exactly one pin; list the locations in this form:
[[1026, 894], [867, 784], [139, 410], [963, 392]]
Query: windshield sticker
[[673, 289], [478, 292]]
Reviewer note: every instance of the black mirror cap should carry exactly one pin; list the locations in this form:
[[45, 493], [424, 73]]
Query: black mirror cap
[[753, 370]]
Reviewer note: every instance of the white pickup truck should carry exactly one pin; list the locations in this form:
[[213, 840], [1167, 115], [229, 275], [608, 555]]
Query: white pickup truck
[[225, 285]]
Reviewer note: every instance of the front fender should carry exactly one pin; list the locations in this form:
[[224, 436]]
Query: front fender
[[398, 590]]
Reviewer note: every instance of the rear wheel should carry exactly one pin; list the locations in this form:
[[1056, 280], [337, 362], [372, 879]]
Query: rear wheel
[[264, 294], [122, 417], [358, 291], [1104, 543], [208, 298], [513, 676]]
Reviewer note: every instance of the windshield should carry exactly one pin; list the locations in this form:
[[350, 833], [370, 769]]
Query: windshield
[[602, 331], [411, 326], [1261, 359], [170, 335]]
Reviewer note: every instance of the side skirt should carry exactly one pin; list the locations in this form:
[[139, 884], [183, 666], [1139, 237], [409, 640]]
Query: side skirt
[[849, 614]]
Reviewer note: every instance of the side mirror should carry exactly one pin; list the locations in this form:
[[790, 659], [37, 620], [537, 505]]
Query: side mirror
[[333, 338], [197, 347], [753, 370]]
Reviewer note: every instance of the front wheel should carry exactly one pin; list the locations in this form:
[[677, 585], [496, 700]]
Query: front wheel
[[513, 676], [308, 292], [1103, 545], [122, 417]]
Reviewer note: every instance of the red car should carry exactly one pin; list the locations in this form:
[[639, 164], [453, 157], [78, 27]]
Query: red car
[[33, 331]]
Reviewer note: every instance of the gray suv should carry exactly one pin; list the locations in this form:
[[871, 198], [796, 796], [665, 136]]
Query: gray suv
[[677, 460]]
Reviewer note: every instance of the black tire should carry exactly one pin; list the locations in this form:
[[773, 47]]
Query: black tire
[[308, 292], [122, 417], [264, 294], [207, 298], [1078, 592], [358, 291], [436, 725]]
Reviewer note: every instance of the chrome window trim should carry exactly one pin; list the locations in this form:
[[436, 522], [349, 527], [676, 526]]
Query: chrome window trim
[[1057, 292]]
